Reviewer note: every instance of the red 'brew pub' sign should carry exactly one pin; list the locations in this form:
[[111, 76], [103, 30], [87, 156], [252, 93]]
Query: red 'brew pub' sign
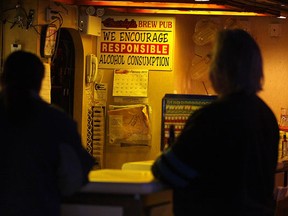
[[136, 42]]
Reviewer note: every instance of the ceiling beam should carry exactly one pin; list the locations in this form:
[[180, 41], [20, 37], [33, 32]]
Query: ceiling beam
[[271, 7]]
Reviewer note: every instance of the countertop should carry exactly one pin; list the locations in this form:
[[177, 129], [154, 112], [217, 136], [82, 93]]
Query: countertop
[[122, 182]]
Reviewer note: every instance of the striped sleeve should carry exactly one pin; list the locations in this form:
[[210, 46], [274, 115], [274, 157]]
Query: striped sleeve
[[172, 171]]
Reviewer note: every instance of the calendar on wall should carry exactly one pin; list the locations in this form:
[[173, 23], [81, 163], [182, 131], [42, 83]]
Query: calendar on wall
[[131, 83]]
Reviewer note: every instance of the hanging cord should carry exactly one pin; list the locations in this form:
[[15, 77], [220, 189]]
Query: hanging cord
[[207, 93]]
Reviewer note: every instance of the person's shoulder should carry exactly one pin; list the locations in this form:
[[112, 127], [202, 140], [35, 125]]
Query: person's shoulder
[[205, 113], [59, 112], [54, 112], [217, 109], [209, 109]]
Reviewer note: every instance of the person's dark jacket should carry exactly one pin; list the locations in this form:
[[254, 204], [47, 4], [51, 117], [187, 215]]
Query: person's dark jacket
[[32, 173], [224, 161]]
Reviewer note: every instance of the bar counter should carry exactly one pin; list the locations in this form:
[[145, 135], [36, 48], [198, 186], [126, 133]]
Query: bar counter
[[120, 193]]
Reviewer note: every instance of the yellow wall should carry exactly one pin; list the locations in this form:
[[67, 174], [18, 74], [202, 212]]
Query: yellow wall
[[27, 38], [30, 41], [274, 51]]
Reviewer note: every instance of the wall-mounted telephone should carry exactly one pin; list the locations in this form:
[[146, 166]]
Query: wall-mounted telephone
[[91, 68]]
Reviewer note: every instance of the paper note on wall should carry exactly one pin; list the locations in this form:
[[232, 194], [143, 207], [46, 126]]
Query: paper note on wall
[[133, 83], [100, 91], [45, 92], [129, 126]]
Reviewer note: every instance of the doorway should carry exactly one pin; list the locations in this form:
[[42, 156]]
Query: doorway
[[62, 72]]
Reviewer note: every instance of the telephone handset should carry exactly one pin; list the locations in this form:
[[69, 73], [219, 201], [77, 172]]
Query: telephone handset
[[91, 68]]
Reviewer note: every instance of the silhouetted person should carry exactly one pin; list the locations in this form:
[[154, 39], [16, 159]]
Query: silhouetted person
[[41, 156], [224, 161]]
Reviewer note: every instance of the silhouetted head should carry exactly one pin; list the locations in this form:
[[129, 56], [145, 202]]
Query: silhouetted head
[[20, 84], [236, 63], [22, 71]]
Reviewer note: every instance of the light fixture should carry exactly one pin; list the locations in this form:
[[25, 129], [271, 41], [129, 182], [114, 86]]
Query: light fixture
[[283, 15], [157, 5], [187, 12], [198, 7]]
